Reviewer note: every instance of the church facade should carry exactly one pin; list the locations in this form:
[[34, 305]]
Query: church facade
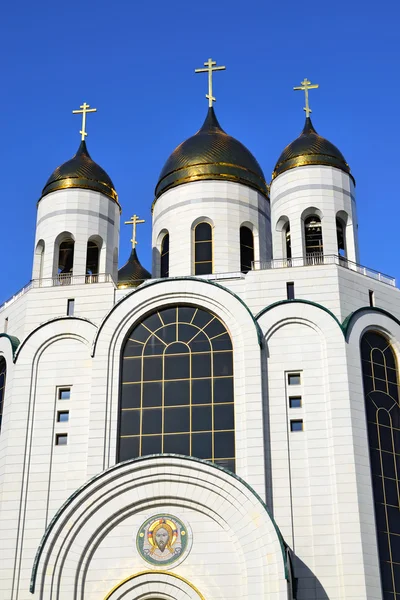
[[225, 427]]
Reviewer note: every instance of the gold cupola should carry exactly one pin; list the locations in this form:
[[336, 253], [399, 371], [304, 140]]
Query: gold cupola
[[81, 172], [211, 154], [310, 149]]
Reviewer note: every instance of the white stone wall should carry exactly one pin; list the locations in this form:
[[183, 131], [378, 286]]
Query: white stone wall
[[314, 190], [79, 214], [226, 206]]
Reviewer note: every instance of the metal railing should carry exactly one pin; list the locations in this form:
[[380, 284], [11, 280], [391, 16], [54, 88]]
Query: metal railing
[[59, 280], [321, 259]]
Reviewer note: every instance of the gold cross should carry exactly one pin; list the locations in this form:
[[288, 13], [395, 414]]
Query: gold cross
[[135, 220], [85, 109], [210, 64], [305, 86]]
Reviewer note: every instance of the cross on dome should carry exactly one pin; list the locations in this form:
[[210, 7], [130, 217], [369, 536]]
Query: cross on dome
[[135, 220], [305, 86], [85, 108], [210, 68]]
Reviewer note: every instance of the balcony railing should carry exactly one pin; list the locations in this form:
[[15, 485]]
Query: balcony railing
[[59, 280], [321, 259]]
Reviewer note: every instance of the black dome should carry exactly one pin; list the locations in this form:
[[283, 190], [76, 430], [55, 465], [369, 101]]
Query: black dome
[[81, 172], [310, 149], [211, 154], [132, 273]]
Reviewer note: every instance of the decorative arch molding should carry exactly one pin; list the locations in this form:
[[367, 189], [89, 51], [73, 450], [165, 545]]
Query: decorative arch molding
[[162, 584], [142, 486], [245, 335], [373, 311], [40, 334], [14, 341], [298, 301]]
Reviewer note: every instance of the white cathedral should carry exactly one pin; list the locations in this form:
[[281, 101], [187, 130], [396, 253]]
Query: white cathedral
[[224, 428]]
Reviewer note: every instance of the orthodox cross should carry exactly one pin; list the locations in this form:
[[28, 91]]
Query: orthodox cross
[[134, 221], [85, 108], [305, 86], [210, 67]]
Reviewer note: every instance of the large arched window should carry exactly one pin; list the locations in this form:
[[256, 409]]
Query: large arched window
[[383, 416], [203, 250], [177, 387], [313, 238], [3, 373], [246, 249], [164, 272]]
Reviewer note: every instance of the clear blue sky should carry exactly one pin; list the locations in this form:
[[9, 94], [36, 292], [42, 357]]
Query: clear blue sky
[[135, 62]]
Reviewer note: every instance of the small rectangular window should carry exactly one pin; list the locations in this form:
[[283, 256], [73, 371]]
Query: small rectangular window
[[296, 425], [371, 297], [61, 439], [290, 290], [64, 393], [294, 379], [70, 307], [295, 401], [63, 416]]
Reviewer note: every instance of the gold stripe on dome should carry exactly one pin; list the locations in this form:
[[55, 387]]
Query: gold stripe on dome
[[154, 572], [70, 182], [310, 160]]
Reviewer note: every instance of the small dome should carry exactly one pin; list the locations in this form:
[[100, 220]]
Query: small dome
[[211, 154], [310, 149], [132, 273], [81, 172]]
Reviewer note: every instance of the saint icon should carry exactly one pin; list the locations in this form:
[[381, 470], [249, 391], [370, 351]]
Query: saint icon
[[162, 539]]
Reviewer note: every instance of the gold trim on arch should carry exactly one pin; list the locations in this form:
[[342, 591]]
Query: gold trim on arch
[[149, 572]]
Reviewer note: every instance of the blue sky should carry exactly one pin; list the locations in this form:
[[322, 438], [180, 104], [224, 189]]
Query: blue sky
[[135, 63]]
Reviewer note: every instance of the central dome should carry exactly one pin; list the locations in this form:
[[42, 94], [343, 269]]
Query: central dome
[[211, 154]]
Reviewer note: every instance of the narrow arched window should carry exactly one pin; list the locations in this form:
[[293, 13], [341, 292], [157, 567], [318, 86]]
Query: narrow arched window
[[246, 249], [313, 238], [380, 376], [203, 249], [164, 272], [92, 258], [287, 241], [66, 256], [341, 238], [177, 387], [39, 260], [3, 373]]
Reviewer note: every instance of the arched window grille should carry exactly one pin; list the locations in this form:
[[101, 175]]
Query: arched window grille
[[341, 238], [313, 237], [177, 387], [3, 373], [287, 241], [66, 256], [381, 392], [165, 256], [246, 249], [92, 258], [203, 249]]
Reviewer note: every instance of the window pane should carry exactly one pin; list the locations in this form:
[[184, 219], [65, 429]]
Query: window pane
[[64, 393], [177, 367], [185, 314], [202, 445], [201, 318], [130, 395], [61, 439], [223, 416], [133, 348], [177, 444], [152, 368], [153, 322], [203, 268], [227, 464], [294, 379], [201, 365], [202, 232], [152, 394], [223, 390], [214, 328], [176, 392], [128, 448], [224, 444], [151, 444], [222, 364], [203, 252], [154, 346], [168, 315], [201, 418], [201, 391], [176, 420], [296, 425], [130, 422], [200, 342], [62, 417], [151, 421], [295, 401], [222, 342], [132, 369]]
